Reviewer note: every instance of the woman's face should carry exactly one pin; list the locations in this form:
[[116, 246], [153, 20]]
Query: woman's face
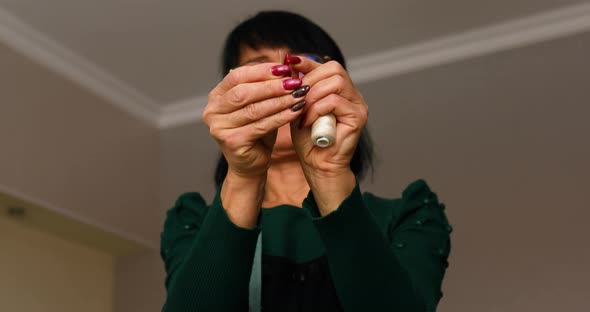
[[248, 56]]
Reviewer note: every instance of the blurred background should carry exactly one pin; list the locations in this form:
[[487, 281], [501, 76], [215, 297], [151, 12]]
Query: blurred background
[[100, 131]]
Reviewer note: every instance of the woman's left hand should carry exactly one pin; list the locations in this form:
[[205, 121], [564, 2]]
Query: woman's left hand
[[332, 91]]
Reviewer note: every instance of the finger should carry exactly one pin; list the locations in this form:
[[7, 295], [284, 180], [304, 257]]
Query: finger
[[300, 136], [261, 127], [262, 109], [333, 84], [247, 93], [306, 65], [251, 73], [346, 112], [315, 72]]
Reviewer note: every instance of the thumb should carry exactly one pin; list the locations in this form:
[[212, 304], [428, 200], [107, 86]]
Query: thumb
[[300, 137]]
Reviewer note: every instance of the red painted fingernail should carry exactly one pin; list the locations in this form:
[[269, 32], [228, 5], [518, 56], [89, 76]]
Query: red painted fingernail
[[292, 83], [286, 59], [280, 70], [293, 60]]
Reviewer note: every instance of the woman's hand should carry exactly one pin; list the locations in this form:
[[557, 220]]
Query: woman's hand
[[327, 169], [243, 114]]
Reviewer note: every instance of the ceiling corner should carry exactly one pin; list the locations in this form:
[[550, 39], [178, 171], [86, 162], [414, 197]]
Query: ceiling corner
[[35, 45]]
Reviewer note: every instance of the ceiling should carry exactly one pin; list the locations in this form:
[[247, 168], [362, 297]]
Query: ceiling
[[164, 53]]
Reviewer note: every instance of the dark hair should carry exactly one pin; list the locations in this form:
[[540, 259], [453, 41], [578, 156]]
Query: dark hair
[[285, 29]]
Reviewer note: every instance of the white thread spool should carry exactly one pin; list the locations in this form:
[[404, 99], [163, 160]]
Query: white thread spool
[[323, 131]]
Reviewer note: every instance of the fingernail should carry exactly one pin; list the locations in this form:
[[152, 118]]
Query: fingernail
[[280, 70], [299, 105], [292, 60], [286, 59], [292, 83], [301, 91]]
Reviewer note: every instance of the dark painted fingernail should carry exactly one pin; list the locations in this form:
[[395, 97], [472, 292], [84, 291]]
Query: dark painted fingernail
[[292, 83], [301, 91], [280, 70], [299, 105], [292, 60]]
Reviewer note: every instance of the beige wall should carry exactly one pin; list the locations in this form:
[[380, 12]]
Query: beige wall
[[65, 146], [186, 164], [504, 141], [188, 158], [139, 283], [40, 272]]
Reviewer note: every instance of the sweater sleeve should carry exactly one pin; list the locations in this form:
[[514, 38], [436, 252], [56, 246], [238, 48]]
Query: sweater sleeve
[[399, 269], [208, 259]]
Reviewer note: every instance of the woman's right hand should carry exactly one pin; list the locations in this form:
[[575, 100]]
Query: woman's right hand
[[244, 112]]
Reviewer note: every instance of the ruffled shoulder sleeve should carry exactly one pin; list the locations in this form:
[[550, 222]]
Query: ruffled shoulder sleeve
[[420, 237]]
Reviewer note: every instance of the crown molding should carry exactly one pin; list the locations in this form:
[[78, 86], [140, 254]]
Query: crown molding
[[470, 44], [516, 33], [120, 233], [182, 112], [49, 53], [479, 42]]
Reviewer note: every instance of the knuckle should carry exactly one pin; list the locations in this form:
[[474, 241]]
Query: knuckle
[[364, 112], [337, 84], [237, 96], [365, 109], [259, 126], [230, 141], [211, 95], [233, 142], [361, 116], [206, 115], [216, 133], [339, 80], [335, 66], [333, 99], [234, 76], [251, 111]]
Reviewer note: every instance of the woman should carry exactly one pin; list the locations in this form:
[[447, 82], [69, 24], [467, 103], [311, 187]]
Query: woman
[[325, 246]]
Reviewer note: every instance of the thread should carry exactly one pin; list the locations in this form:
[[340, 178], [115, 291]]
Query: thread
[[323, 131]]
